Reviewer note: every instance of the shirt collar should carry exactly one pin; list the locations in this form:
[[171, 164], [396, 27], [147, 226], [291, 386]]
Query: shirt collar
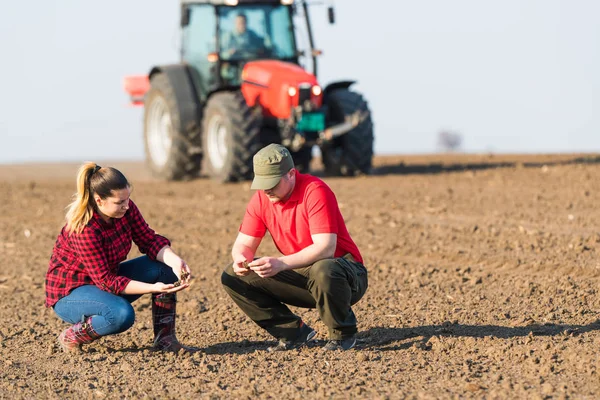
[[297, 192], [99, 220]]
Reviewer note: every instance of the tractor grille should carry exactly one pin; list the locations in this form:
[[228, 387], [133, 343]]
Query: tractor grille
[[303, 94]]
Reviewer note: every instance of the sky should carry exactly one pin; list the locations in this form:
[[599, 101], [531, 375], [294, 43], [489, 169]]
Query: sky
[[508, 76]]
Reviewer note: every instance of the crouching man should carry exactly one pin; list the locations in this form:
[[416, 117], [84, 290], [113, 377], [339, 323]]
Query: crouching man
[[321, 267]]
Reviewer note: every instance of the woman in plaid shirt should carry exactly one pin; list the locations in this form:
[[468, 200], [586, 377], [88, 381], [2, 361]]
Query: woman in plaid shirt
[[89, 285]]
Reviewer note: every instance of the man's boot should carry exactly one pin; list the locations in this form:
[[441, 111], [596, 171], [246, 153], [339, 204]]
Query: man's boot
[[73, 337], [163, 317]]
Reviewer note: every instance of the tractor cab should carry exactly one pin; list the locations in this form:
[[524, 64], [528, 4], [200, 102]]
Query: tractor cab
[[219, 38]]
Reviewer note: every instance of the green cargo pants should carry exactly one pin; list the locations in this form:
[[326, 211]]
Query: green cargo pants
[[331, 286]]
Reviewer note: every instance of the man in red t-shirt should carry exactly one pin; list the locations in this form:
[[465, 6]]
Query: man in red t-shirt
[[321, 266]]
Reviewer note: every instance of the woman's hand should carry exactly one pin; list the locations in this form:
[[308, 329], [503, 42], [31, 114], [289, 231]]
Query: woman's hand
[[160, 287], [186, 273], [183, 272], [180, 268]]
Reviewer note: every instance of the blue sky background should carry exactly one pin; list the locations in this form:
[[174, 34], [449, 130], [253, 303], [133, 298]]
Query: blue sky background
[[509, 76]]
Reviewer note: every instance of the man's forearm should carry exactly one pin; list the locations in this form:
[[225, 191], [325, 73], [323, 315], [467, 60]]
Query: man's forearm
[[240, 248], [307, 256]]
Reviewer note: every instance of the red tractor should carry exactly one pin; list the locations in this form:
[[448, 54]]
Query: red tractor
[[239, 86]]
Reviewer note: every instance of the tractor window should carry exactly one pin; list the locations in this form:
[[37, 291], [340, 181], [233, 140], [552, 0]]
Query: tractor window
[[255, 32], [199, 39], [282, 32]]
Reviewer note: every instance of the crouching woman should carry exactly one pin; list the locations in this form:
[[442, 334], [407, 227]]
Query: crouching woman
[[90, 285]]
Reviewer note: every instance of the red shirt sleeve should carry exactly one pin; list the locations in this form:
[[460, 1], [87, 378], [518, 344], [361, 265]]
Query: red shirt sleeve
[[89, 245], [253, 223], [322, 209], [143, 236]]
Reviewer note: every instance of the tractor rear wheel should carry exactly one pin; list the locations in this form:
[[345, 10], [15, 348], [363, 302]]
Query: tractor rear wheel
[[230, 137], [170, 153], [352, 153], [302, 159]]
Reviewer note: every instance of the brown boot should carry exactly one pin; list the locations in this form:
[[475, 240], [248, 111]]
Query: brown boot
[[72, 338], [163, 316]]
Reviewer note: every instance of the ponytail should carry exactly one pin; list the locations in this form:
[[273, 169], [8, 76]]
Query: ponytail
[[92, 179]]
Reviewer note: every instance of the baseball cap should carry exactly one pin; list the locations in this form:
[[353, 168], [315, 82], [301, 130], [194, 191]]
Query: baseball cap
[[270, 164]]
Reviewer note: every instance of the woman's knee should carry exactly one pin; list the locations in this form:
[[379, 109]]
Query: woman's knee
[[167, 275], [122, 316], [162, 272], [146, 270]]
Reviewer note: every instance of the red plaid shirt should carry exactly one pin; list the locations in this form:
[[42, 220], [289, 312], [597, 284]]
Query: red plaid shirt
[[92, 257]]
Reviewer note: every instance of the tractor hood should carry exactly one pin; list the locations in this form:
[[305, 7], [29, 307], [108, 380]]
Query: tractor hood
[[279, 86]]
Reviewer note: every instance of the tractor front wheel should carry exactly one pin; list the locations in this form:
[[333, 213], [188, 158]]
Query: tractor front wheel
[[230, 137], [352, 153], [171, 154]]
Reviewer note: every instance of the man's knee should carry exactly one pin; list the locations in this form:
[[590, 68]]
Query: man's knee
[[228, 277], [228, 271], [324, 272]]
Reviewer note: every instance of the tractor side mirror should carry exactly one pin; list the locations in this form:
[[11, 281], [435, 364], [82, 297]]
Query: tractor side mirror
[[331, 14], [185, 17]]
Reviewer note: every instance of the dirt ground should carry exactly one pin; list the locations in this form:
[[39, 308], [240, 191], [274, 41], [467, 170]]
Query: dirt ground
[[483, 271]]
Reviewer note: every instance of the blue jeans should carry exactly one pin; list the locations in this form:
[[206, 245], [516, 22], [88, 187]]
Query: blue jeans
[[112, 313]]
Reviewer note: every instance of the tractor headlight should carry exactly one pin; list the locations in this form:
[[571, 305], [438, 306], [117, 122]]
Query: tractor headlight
[[292, 91], [316, 90], [287, 2]]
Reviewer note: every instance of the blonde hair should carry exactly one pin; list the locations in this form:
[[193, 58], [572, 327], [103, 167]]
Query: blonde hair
[[92, 179]]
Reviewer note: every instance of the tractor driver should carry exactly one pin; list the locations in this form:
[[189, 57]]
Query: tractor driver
[[243, 42]]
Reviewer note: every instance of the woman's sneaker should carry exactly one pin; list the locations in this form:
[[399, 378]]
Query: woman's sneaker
[[305, 335]]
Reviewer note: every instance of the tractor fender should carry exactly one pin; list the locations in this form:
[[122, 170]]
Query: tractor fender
[[228, 88], [334, 86], [186, 93]]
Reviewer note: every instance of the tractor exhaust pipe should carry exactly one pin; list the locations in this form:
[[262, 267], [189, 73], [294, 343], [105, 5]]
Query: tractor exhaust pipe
[[352, 121]]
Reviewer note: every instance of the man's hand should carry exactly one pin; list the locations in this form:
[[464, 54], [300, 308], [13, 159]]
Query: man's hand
[[241, 260], [243, 252], [240, 269], [266, 267], [240, 263]]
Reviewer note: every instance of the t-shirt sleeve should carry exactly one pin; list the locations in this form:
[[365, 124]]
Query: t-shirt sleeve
[[253, 223], [322, 209]]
